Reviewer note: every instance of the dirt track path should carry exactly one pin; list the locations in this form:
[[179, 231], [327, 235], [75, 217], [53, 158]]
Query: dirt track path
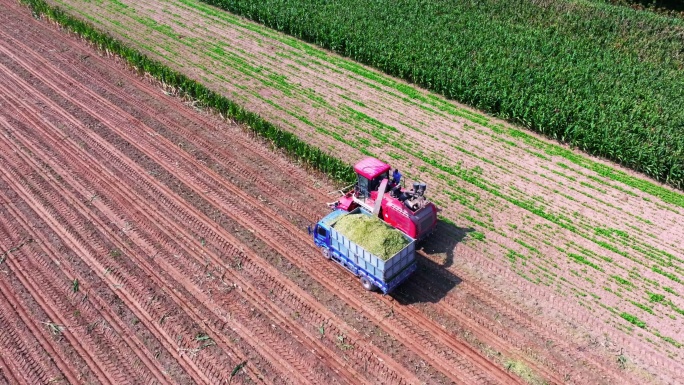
[[173, 216], [80, 165], [571, 240], [110, 111]]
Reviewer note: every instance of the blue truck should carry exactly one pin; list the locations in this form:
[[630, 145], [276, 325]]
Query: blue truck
[[374, 273]]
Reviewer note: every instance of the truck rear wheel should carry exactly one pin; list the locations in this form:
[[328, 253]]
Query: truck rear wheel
[[367, 284], [326, 253]]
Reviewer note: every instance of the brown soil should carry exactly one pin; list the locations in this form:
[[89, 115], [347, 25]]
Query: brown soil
[[153, 242]]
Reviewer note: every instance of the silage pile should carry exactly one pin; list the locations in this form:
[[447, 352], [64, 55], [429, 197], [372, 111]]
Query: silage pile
[[372, 234]]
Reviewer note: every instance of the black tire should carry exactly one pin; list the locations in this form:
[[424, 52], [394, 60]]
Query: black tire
[[367, 284], [326, 253]]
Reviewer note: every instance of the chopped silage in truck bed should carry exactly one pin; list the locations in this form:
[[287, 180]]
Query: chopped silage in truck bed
[[372, 234]]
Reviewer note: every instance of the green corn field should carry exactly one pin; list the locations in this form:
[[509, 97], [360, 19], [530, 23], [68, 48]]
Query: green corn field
[[605, 79]]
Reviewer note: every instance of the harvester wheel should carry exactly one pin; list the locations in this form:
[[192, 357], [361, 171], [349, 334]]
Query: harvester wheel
[[326, 253], [367, 284]]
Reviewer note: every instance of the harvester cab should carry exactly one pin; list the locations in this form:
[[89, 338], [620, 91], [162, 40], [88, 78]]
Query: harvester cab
[[377, 192]]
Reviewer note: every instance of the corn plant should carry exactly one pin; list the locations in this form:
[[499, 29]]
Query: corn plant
[[602, 78]]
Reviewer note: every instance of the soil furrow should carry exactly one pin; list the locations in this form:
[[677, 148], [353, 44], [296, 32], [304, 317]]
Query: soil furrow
[[56, 318], [6, 376], [352, 376], [60, 360], [86, 312], [121, 280], [17, 350]]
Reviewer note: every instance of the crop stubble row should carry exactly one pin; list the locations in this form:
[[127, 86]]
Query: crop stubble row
[[333, 272], [261, 336], [198, 190]]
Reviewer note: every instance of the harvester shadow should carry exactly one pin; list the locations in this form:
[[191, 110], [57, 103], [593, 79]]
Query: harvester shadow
[[433, 280]]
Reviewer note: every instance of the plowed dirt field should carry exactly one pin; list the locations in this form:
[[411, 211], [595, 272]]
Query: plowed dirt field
[[145, 241]]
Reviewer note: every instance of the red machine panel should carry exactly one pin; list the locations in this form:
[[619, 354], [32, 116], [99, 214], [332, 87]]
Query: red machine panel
[[371, 167]]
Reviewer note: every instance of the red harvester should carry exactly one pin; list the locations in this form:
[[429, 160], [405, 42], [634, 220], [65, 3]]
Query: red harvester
[[377, 192]]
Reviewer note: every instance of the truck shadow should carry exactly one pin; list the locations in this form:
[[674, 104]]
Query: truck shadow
[[440, 246], [433, 280]]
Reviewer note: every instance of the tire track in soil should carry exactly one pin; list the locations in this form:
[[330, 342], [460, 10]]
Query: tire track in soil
[[480, 326], [6, 377], [47, 278], [207, 368], [105, 363], [4, 373], [444, 337], [566, 345], [17, 348], [352, 377]]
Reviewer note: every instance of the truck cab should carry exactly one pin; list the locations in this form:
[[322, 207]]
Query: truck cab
[[321, 236]]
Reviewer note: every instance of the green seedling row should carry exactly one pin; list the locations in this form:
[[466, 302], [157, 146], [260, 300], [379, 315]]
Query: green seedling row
[[581, 75]]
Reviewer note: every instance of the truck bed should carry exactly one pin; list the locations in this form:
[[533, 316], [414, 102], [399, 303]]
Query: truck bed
[[385, 274]]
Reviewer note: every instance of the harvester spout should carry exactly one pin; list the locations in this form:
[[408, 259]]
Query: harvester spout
[[381, 194]]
